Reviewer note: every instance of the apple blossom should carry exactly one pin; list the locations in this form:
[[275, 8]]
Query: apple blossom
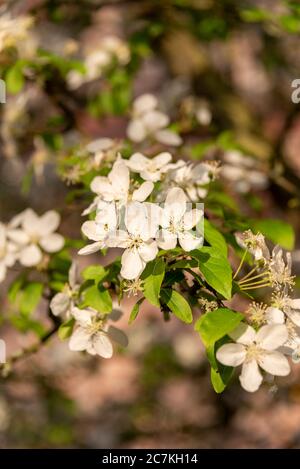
[[63, 302], [177, 222], [93, 333], [253, 350]]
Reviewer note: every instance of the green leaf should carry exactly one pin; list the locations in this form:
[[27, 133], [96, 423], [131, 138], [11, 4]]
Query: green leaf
[[153, 276], [15, 287], [215, 238], [98, 297], [216, 324], [14, 78], [65, 329], [135, 311], [30, 298], [94, 272], [220, 380], [216, 269], [278, 231], [177, 304]]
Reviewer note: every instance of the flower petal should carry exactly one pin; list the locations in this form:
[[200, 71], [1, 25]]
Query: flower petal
[[79, 340], [136, 130], [272, 336], [175, 204], [166, 239], [251, 377], [83, 316], [2, 271], [137, 162], [119, 178], [275, 363], [155, 120], [60, 304], [31, 255], [102, 186], [162, 159], [143, 191], [274, 316], [144, 103], [18, 236], [92, 230], [52, 243], [132, 264], [192, 218], [99, 145], [148, 251], [231, 354], [102, 345], [188, 241], [168, 137], [243, 334], [91, 248], [295, 317], [295, 304], [48, 223]]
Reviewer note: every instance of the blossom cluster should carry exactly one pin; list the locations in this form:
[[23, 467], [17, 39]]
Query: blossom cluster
[[93, 331], [128, 213], [273, 330], [29, 238]]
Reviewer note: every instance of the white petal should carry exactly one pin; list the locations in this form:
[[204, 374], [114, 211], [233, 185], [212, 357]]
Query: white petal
[[91, 248], [118, 336], [119, 177], [18, 236], [136, 130], [155, 120], [83, 316], [168, 137], [144, 103], [143, 191], [119, 239], [295, 317], [132, 264], [251, 377], [188, 241], [79, 340], [31, 255], [192, 218], [295, 304], [2, 235], [275, 363], [52, 243], [243, 334], [102, 186], [162, 159], [137, 162], [48, 223], [100, 144], [231, 354], [148, 251], [274, 316], [175, 205], [136, 219], [60, 304], [92, 231], [271, 337], [102, 345], [30, 222], [166, 239]]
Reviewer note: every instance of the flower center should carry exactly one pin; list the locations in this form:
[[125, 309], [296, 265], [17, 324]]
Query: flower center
[[253, 352], [96, 326], [135, 242]]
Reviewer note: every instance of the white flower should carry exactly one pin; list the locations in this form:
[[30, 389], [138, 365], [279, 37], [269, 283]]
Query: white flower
[[254, 350], [137, 240], [148, 121], [110, 48], [116, 187], [192, 179], [177, 222], [150, 169], [282, 305], [102, 149], [63, 302], [93, 334], [255, 243], [36, 234], [240, 169], [8, 252], [280, 269], [13, 31], [98, 230]]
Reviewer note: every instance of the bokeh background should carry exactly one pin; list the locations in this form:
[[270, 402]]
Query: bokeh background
[[240, 58]]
